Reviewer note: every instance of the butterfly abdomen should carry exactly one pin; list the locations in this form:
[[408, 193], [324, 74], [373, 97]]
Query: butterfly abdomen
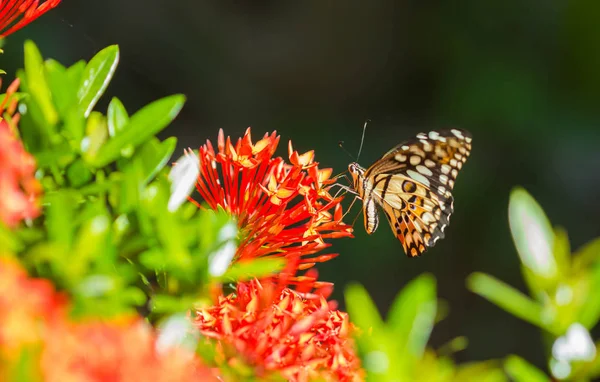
[[371, 216]]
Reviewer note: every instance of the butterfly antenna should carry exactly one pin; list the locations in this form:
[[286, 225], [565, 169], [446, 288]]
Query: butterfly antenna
[[362, 140], [341, 144]]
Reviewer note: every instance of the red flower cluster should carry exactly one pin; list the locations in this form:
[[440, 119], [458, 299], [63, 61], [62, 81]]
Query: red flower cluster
[[33, 317], [25, 306], [282, 209], [116, 351], [19, 190], [295, 333], [15, 14]]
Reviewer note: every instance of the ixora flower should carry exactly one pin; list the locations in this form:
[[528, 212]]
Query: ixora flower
[[24, 304], [123, 350], [282, 209], [15, 14], [285, 210], [34, 326], [19, 190], [294, 333]]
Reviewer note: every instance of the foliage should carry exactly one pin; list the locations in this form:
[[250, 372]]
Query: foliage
[[114, 240], [107, 237], [397, 348], [562, 287]]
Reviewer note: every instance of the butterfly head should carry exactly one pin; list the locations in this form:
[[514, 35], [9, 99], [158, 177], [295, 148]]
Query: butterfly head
[[357, 173]]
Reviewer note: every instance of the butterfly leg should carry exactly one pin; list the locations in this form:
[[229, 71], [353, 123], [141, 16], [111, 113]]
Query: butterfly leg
[[357, 215], [336, 177], [342, 188], [350, 207], [348, 189]]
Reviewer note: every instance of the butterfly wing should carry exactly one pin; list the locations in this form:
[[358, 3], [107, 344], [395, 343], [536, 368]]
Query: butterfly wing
[[413, 184]]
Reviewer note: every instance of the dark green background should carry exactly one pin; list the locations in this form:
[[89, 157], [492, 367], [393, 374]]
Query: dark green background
[[522, 76]]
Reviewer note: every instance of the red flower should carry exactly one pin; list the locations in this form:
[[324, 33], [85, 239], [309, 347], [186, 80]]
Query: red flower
[[295, 333], [282, 209], [33, 318], [26, 305], [19, 190], [115, 351], [15, 14]]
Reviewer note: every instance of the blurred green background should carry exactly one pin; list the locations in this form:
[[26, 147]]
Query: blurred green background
[[522, 76]]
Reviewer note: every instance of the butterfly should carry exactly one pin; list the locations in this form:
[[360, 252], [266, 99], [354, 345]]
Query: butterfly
[[413, 185]]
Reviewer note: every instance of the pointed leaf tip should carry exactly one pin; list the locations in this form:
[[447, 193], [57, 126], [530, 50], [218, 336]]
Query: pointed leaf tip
[[96, 77], [532, 234]]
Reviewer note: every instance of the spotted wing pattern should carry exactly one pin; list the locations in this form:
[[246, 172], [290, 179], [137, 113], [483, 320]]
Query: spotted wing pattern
[[413, 184]]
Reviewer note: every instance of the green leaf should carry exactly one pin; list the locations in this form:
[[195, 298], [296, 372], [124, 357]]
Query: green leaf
[[78, 174], [562, 251], [377, 344], [92, 243], [162, 303], [95, 285], [96, 135], [508, 298], [246, 270], [131, 186], [482, 371], [144, 124], [154, 155], [60, 217], [209, 229], [96, 77], [37, 84], [9, 242], [105, 295], [587, 255], [133, 296], [64, 95], [62, 92], [361, 308], [55, 254], [117, 116], [412, 314], [522, 371], [589, 313], [169, 234], [34, 131], [75, 72], [152, 258], [453, 346], [532, 234], [60, 155]]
